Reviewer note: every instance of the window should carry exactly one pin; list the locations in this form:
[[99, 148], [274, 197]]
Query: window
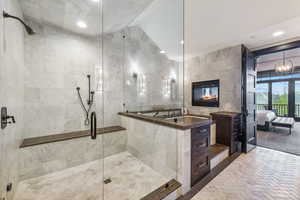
[[280, 91], [297, 98], [262, 91]]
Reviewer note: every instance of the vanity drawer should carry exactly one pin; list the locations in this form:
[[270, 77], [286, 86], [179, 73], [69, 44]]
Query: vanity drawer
[[200, 168], [200, 146], [200, 164], [200, 132]]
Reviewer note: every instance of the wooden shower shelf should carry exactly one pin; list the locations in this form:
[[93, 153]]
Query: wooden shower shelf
[[67, 136]]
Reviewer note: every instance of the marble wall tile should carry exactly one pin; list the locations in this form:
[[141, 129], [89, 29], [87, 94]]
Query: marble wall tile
[[11, 93], [223, 64], [57, 62], [154, 145], [166, 150], [184, 160]]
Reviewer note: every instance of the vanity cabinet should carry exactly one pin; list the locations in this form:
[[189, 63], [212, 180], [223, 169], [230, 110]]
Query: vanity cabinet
[[200, 163], [228, 129]]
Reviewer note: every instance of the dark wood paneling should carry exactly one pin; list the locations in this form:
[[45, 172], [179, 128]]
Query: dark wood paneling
[[248, 99], [66, 136]]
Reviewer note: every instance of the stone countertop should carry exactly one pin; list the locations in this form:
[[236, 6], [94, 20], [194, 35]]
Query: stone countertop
[[183, 122]]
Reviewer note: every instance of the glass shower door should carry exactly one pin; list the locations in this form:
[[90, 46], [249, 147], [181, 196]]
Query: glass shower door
[[62, 87], [143, 71]]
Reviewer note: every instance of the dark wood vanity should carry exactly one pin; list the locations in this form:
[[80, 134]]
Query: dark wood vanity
[[228, 129], [200, 162]]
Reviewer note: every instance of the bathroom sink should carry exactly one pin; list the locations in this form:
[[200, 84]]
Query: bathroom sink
[[186, 119]]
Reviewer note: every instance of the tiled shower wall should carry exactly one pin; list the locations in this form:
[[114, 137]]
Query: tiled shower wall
[[11, 93], [57, 62], [132, 61]]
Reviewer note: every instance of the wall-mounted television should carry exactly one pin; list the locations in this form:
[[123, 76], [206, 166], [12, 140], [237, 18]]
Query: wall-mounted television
[[206, 93]]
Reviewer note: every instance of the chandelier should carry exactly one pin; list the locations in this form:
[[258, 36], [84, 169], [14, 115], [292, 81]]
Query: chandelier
[[287, 66]]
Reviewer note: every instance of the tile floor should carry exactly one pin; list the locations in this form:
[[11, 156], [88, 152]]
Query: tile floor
[[263, 174], [131, 180]]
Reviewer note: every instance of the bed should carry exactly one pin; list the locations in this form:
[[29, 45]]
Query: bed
[[264, 119]]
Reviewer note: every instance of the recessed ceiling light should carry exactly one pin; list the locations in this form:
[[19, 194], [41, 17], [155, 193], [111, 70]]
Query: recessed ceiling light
[[181, 42], [95, 0], [81, 24], [278, 33], [162, 52]]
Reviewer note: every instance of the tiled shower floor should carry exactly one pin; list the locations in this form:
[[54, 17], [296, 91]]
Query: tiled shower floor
[[131, 180]]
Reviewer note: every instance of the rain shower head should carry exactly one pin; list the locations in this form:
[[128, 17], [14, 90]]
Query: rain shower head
[[28, 29]]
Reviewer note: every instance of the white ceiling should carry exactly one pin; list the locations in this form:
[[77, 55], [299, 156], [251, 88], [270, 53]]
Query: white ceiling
[[162, 20], [216, 24], [117, 14], [163, 23], [209, 24]]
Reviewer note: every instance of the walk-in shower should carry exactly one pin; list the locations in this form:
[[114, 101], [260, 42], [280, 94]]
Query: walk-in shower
[[89, 57]]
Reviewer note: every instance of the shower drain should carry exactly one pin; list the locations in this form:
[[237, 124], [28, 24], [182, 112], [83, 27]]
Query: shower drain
[[107, 181]]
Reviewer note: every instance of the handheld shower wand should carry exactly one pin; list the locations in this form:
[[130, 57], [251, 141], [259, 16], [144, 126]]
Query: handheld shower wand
[[90, 101]]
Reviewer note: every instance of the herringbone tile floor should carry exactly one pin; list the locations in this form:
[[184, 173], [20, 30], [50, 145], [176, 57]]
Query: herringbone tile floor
[[263, 174]]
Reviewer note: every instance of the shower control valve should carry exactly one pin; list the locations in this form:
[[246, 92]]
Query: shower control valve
[[5, 118], [12, 119]]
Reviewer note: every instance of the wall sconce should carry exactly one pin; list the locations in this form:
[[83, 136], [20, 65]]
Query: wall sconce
[[166, 88], [99, 79], [141, 86], [169, 88]]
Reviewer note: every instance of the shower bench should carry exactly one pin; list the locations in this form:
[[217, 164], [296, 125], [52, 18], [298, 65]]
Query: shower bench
[[67, 136]]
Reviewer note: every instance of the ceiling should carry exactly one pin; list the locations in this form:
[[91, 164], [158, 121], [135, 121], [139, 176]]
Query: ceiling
[[209, 24], [150, 15], [164, 28], [216, 24], [117, 14]]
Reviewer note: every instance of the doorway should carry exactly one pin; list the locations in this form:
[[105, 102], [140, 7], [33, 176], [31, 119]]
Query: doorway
[[277, 98]]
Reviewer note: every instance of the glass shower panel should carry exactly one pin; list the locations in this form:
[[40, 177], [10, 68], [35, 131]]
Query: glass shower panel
[[63, 86], [143, 71]]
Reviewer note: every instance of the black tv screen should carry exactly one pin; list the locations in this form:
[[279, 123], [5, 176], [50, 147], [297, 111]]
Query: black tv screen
[[206, 93]]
